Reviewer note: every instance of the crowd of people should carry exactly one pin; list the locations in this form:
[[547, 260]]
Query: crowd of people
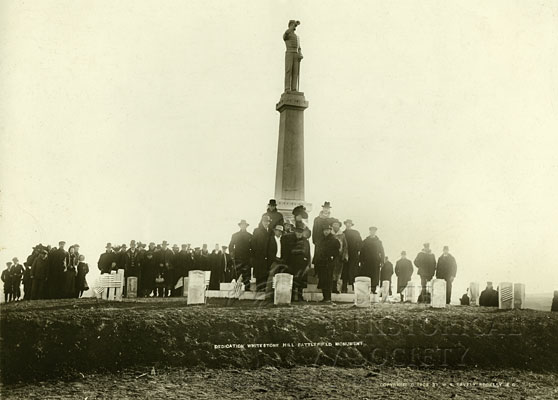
[[48, 273], [278, 244]]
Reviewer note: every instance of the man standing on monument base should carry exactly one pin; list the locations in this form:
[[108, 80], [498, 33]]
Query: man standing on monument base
[[293, 55]]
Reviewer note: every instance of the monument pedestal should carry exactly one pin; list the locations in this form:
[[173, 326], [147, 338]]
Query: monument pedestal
[[289, 178]]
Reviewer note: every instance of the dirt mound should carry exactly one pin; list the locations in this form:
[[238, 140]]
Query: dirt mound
[[54, 339]]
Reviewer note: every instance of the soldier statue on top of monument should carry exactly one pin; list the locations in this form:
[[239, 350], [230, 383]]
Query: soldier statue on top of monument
[[293, 56]]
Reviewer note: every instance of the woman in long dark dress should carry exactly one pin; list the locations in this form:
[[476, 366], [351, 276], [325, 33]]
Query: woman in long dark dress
[[70, 274], [82, 271]]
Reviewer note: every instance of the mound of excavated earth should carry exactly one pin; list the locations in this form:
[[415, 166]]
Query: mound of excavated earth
[[68, 338]]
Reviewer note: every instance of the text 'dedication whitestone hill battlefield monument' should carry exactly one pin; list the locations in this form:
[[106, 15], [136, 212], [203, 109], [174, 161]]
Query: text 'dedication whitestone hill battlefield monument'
[[289, 179]]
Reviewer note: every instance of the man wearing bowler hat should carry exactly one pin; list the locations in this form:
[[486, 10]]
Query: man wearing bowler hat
[[239, 249], [275, 216], [164, 260], [107, 260], [354, 243], [326, 252], [322, 221], [372, 257]]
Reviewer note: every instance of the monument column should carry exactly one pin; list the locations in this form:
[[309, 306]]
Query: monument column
[[289, 178]]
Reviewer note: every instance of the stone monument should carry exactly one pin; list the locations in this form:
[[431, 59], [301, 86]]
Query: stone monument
[[438, 293], [289, 178], [362, 291], [505, 296]]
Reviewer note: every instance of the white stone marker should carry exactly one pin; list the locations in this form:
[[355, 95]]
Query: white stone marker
[[505, 296], [132, 287], [196, 287], [185, 287], [385, 291], [283, 288], [362, 291], [438, 294], [474, 291], [519, 296], [412, 291]]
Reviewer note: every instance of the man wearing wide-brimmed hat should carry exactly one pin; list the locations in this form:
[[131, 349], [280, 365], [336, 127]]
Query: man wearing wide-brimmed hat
[[276, 218], [239, 249], [354, 243], [164, 260]]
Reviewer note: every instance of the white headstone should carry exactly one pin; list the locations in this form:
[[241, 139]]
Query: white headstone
[[412, 291], [519, 295], [362, 291], [505, 296], [385, 291], [196, 287], [132, 287], [474, 292], [438, 293], [283, 288], [185, 287]]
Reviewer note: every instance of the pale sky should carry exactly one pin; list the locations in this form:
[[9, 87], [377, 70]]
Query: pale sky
[[433, 120]]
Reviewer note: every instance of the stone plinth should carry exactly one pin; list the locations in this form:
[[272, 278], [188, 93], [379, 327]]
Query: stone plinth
[[196, 287]]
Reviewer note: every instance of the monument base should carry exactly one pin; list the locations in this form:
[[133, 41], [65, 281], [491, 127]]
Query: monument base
[[286, 207]]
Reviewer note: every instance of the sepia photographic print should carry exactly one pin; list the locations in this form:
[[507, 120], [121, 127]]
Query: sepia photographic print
[[283, 199]]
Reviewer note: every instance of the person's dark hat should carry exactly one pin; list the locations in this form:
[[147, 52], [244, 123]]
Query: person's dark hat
[[175, 246], [446, 248], [165, 243], [243, 222], [403, 253], [61, 242], [108, 245], [224, 247], [348, 221], [372, 228], [123, 245], [300, 210], [197, 248], [151, 244], [335, 221], [299, 226], [327, 204], [272, 202]]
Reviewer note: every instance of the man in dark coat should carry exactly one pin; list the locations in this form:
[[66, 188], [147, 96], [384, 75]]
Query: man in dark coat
[[354, 243], [222, 269], [298, 259], [554, 306], [239, 249], [164, 261], [27, 282], [300, 216], [446, 269], [182, 263], [7, 279], [275, 258], [276, 218], [148, 270], [386, 272], [107, 260], [372, 257], [489, 296], [57, 260], [425, 261], [404, 272], [39, 276], [322, 221], [327, 249], [132, 265], [17, 276], [258, 246]]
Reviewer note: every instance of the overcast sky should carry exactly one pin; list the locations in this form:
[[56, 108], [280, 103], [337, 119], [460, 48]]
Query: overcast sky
[[433, 120]]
